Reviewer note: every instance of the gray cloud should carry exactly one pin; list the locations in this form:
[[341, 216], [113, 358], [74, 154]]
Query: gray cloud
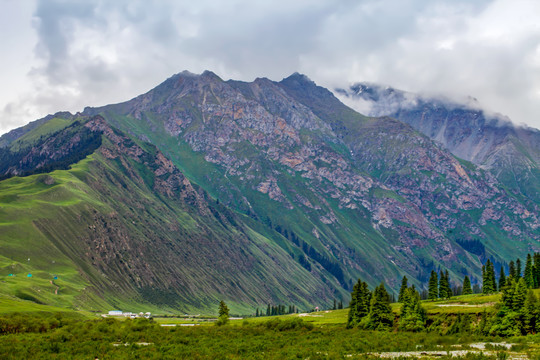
[[98, 52]]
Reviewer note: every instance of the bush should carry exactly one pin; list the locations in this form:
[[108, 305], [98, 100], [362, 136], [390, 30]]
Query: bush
[[289, 324]]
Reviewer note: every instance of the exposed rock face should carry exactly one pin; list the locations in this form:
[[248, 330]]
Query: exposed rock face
[[511, 153], [321, 165]]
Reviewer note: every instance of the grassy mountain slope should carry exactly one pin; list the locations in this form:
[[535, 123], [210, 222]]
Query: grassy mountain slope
[[124, 228]]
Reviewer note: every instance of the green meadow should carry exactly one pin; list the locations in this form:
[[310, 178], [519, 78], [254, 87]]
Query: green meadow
[[318, 335]]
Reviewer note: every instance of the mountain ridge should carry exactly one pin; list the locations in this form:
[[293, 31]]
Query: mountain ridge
[[312, 186]]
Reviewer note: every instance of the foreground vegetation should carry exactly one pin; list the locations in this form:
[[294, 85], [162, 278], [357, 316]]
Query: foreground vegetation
[[318, 335]]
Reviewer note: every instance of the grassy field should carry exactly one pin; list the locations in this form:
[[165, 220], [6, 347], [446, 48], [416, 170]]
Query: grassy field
[[48, 332]]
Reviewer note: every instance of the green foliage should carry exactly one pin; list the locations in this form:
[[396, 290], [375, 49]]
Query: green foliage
[[380, 316], [402, 289], [518, 310], [287, 324], [413, 316], [445, 292], [467, 290], [223, 314], [531, 313], [536, 270], [359, 305], [489, 284], [502, 278], [512, 269], [433, 286], [528, 274]]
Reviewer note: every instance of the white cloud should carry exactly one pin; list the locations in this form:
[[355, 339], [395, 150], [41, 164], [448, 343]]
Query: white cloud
[[98, 52]]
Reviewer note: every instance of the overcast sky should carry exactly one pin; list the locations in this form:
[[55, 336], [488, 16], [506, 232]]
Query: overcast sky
[[65, 55]]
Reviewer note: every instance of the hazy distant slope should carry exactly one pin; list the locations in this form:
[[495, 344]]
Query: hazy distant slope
[[510, 152]]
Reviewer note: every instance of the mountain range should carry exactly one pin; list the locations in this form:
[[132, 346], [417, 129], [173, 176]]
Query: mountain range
[[259, 193]]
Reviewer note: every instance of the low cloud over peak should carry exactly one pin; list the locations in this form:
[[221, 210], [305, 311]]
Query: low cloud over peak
[[74, 54]]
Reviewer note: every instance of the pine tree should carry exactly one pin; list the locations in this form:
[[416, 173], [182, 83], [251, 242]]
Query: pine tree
[[507, 296], [359, 305], [268, 310], [528, 273], [402, 289], [223, 314], [444, 286], [518, 268], [519, 295], [352, 318], [512, 269], [536, 270], [257, 313], [531, 313], [488, 278], [448, 287], [433, 286], [484, 278], [380, 315], [502, 278], [335, 305], [467, 290], [492, 278], [413, 316]]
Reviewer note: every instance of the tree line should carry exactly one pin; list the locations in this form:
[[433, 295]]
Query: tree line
[[517, 312]]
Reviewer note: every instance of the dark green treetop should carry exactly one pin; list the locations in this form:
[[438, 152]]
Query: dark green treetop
[[467, 290]]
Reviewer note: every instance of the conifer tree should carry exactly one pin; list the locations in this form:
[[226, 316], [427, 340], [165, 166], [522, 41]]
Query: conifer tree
[[223, 314], [518, 268], [402, 289], [528, 273], [519, 295], [512, 269], [448, 287], [493, 279], [502, 278], [433, 286], [507, 293], [489, 285], [359, 305], [380, 315], [467, 290], [444, 287], [413, 316], [483, 274], [536, 270], [531, 313]]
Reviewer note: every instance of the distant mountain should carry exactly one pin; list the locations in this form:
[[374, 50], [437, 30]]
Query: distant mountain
[[510, 152], [261, 192]]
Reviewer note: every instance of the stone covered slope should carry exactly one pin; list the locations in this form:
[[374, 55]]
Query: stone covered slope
[[358, 196]]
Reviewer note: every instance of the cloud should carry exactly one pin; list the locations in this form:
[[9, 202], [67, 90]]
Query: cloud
[[98, 52]]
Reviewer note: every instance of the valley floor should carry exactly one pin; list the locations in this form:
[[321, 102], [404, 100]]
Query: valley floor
[[321, 335]]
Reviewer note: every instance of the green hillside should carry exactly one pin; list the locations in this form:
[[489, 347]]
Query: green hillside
[[124, 229]]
